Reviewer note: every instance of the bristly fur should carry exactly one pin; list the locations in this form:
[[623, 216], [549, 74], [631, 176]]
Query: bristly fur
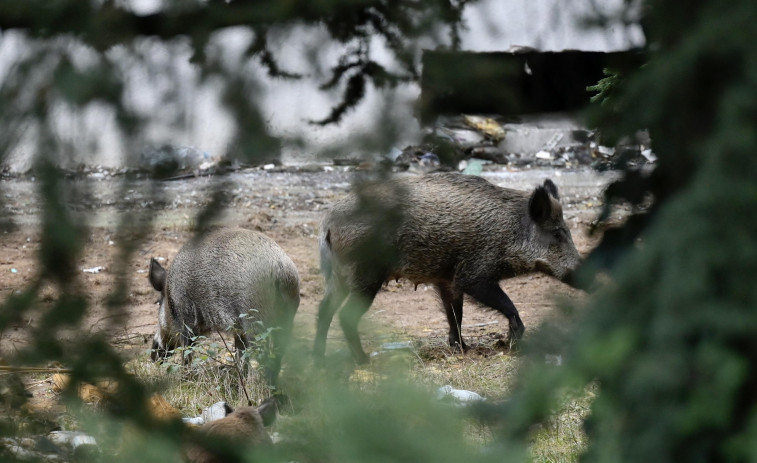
[[460, 233], [219, 276]]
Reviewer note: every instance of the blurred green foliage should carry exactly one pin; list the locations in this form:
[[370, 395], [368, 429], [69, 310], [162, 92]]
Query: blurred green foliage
[[670, 341]]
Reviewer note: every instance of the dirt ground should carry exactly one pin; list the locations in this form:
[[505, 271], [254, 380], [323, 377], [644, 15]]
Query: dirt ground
[[285, 205]]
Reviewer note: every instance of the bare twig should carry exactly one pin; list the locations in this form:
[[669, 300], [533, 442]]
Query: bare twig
[[239, 371], [34, 369]]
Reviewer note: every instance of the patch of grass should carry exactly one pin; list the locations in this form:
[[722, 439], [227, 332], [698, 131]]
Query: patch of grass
[[429, 363], [561, 438], [212, 376]]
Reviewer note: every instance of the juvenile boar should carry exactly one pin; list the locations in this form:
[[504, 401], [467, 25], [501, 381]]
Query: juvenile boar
[[219, 276], [243, 426], [459, 233]]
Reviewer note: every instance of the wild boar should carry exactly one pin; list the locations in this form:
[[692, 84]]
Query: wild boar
[[244, 426], [460, 233], [227, 279]]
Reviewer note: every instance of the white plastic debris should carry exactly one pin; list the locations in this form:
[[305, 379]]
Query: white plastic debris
[[544, 155], [399, 345], [13, 270], [649, 155], [429, 160], [196, 420], [393, 154], [551, 359], [459, 397], [269, 166], [97, 269], [71, 439], [215, 412], [474, 167], [554, 140], [606, 150]]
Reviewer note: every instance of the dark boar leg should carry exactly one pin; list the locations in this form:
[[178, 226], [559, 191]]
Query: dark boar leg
[[280, 338], [452, 301], [333, 299], [490, 294], [349, 317]]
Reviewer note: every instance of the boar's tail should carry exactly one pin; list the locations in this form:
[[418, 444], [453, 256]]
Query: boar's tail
[[327, 264]]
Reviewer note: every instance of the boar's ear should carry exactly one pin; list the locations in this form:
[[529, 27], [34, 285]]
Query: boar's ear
[[267, 411], [551, 188], [157, 275], [540, 205]]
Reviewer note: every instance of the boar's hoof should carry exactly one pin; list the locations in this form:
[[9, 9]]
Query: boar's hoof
[[458, 345], [361, 358], [514, 335]]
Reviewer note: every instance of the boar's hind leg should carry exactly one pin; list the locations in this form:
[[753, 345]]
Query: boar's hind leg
[[332, 300], [490, 294], [280, 338], [349, 317], [452, 301], [240, 345]]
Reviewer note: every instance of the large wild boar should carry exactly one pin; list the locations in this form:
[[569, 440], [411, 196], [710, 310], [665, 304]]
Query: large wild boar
[[227, 279], [243, 426], [460, 233]]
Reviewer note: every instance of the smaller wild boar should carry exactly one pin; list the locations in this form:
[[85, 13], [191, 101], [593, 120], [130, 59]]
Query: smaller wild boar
[[460, 233], [244, 426], [227, 279]]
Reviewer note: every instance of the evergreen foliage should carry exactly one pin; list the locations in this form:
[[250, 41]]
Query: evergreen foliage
[[669, 342]]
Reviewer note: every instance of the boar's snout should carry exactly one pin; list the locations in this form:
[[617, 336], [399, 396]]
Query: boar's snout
[[159, 351]]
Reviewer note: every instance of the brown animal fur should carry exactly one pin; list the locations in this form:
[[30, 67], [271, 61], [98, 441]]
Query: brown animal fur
[[460, 233], [244, 426]]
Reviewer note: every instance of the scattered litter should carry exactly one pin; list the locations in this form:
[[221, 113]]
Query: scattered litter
[[194, 420], [649, 155], [13, 270], [269, 166], [458, 397], [486, 125], [606, 151], [553, 141], [215, 412], [13, 447], [393, 154], [397, 345], [71, 439], [97, 269], [473, 167], [544, 155], [429, 160]]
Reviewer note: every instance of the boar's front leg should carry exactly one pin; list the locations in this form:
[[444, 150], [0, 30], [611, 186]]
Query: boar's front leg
[[452, 301], [490, 294]]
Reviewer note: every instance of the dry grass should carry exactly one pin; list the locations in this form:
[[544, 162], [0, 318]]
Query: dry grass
[[487, 369]]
